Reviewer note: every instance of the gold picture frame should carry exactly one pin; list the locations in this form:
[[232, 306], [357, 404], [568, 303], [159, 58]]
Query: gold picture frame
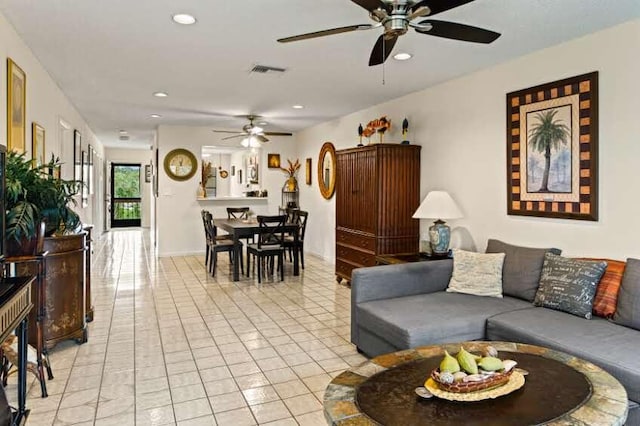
[[16, 111], [273, 161], [552, 149], [327, 170], [37, 144]]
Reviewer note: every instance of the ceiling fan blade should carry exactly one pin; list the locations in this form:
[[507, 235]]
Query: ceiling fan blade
[[323, 33], [278, 134], [382, 50], [261, 138], [233, 137], [224, 131], [438, 6], [459, 31], [370, 4]]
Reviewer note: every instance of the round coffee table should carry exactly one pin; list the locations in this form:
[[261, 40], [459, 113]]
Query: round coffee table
[[559, 390]]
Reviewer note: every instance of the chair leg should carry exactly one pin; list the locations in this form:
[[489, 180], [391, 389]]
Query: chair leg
[[301, 253], [259, 262], [47, 365], [41, 378], [281, 265], [214, 263], [206, 256]]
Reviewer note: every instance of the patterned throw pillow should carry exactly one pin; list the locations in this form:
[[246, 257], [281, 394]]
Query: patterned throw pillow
[[476, 273], [606, 300], [569, 285]]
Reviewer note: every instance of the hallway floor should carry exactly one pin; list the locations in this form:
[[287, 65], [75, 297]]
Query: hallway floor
[[171, 345]]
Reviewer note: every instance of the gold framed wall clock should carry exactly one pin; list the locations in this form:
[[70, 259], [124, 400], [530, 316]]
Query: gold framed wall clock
[[180, 164]]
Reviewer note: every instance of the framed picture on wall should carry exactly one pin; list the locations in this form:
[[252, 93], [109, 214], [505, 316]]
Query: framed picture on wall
[[552, 149], [90, 153], [308, 171], [16, 111], [84, 167], [77, 155], [37, 144], [273, 161]]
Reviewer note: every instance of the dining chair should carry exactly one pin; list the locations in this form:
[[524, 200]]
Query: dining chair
[[215, 246], [269, 246], [238, 213], [299, 217]]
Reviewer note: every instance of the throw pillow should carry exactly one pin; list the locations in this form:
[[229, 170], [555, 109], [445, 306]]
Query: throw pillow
[[476, 273], [569, 285], [606, 299], [628, 310], [522, 267]]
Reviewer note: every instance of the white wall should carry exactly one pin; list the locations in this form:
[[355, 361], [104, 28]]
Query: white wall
[[179, 225], [46, 105], [134, 156], [461, 127]]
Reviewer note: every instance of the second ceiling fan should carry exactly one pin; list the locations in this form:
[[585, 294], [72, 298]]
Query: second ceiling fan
[[251, 130], [396, 17]]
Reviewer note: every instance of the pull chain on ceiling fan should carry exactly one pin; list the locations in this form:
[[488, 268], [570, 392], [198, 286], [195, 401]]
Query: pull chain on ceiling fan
[[396, 17]]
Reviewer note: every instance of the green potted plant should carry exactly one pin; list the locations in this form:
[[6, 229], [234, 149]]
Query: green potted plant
[[34, 195]]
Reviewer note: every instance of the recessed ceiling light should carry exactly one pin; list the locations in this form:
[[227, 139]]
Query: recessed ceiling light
[[402, 56], [263, 123], [123, 132], [297, 106], [184, 19], [160, 94], [155, 116]]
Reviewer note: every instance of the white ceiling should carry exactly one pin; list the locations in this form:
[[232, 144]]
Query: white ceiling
[[109, 56]]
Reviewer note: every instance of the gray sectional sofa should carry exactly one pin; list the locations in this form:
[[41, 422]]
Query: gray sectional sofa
[[395, 307]]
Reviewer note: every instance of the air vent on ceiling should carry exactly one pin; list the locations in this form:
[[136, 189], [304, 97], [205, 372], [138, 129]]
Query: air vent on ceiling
[[124, 137], [265, 69]]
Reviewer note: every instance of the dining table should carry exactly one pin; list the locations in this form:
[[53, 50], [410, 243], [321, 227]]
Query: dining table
[[243, 228]]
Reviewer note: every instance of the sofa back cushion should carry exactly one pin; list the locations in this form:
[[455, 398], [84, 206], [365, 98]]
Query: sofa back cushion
[[606, 299], [522, 267], [476, 273], [569, 285], [628, 309]]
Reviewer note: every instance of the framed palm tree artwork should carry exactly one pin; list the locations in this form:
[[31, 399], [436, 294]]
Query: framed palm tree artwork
[[552, 149]]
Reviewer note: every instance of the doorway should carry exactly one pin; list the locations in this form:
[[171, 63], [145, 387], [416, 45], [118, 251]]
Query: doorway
[[126, 198]]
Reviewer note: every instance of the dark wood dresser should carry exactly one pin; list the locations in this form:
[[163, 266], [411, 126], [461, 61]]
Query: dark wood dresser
[[377, 192]]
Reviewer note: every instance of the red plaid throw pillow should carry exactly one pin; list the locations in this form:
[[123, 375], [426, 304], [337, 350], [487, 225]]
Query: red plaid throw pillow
[[606, 299]]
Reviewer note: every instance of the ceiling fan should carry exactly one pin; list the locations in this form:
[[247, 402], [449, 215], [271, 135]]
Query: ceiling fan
[[251, 131], [396, 17]]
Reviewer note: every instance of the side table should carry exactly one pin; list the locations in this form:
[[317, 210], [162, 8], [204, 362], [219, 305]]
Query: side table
[[394, 259]]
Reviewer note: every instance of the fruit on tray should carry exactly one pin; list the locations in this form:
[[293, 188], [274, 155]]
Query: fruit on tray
[[468, 372], [449, 364]]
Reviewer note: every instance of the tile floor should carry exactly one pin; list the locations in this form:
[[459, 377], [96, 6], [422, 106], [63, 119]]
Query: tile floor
[[171, 345]]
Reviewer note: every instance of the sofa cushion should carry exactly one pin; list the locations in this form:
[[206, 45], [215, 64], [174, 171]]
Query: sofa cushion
[[425, 319], [476, 273], [628, 310], [569, 285], [522, 267], [606, 298], [610, 346]]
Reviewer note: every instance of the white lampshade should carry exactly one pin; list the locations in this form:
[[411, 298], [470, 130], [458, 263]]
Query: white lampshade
[[438, 205]]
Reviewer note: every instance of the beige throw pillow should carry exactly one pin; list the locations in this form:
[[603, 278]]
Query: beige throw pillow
[[476, 273]]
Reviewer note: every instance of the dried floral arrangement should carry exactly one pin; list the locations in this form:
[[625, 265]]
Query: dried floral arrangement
[[292, 169]]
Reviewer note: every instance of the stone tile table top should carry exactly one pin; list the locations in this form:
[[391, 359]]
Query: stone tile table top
[[559, 390]]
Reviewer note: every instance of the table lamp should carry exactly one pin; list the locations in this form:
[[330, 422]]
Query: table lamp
[[438, 205]]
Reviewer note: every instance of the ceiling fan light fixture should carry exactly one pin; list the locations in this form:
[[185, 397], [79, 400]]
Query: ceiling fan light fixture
[[184, 19], [250, 142], [255, 130], [402, 56]]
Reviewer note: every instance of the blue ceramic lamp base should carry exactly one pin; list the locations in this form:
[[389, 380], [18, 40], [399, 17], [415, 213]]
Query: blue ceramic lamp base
[[439, 237]]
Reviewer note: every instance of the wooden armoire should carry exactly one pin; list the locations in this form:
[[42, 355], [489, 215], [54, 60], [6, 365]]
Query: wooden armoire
[[377, 192]]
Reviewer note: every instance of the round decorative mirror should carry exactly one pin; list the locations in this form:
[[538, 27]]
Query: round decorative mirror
[[327, 170]]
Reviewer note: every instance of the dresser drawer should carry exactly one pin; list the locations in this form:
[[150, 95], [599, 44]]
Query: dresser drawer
[[352, 255], [357, 240], [343, 269]]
